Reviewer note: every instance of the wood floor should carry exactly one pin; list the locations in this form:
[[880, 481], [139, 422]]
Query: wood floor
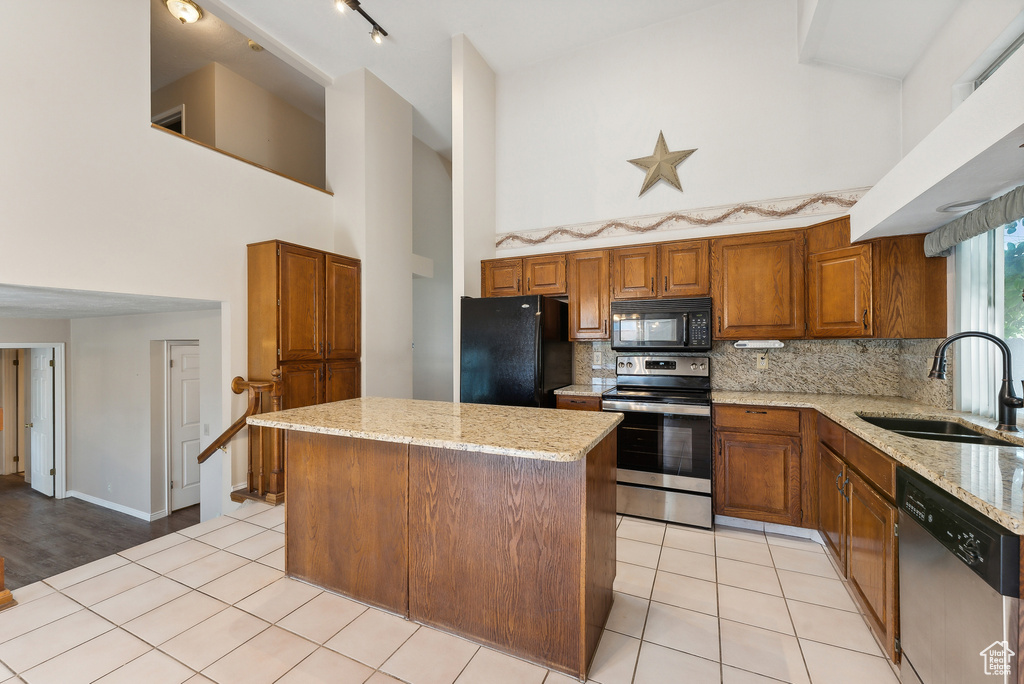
[[41, 536]]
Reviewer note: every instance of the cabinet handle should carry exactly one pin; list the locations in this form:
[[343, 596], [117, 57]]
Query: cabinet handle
[[652, 283], [838, 488], [328, 347], [604, 325], [719, 324], [843, 490], [864, 318], [527, 284], [666, 284], [763, 413], [517, 283]]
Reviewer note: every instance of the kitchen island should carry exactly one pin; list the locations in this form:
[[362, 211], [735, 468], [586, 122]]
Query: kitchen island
[[494, 523]]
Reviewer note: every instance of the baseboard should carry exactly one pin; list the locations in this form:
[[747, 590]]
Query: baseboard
[[148, 517], [770, 528]]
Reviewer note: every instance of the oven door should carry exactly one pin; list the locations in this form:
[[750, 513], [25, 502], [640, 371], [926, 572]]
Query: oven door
[[665, 450]]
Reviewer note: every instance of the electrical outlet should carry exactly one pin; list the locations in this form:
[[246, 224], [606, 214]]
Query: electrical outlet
[[206, 429], [597, 359], [762, 362]]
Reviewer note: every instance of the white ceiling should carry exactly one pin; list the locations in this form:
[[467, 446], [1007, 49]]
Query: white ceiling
[[44, 302], [884, 37]]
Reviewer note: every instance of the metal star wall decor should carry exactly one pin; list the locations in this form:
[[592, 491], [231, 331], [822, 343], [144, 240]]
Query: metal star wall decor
[[661, 165]]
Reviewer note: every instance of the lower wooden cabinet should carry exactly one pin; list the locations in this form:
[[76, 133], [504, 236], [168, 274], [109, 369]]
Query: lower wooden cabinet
[[831, 503], [871, 558], [342, 381], [577, 403], [758, 476], [306, 384]]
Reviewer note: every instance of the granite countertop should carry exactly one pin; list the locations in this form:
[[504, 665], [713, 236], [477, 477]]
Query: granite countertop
[[594, 389], [544, 434], [990, 479]]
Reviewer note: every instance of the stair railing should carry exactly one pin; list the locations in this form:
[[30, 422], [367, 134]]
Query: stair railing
[[265, 476]]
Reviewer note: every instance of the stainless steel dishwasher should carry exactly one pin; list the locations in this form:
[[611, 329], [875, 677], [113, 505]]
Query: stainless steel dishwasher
[[959, 589]]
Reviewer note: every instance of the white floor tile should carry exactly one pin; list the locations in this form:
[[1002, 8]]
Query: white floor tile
[[491, 667], [153, 667], [641, 530], [139, 600], [763, 651], [175, 557], [633, 579], [90, 661], [658, 665], [84, 572], [798, 586], [208, 526], [689, 563], [154, 546], [238, 584], [754, 608], [25, 617], [206, 569], [808, 562], [689, 539], [258, 545], [372, 637], [249, 509], [743, 550], [836, 665], [276, 600], [274, 559], [685, 592], [230, 534], [268, 519], [748, 576], [37, 646], [210, 640], [615, 658], [31, 592], [832, 626], [261, 660], [102, 587], [628, 614], [683, 630], [323, 617], [174, 617], [637, 553], [325, 666], [430, 657]]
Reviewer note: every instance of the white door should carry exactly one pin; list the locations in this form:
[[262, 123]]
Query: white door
[[183, 425], [41, 420]]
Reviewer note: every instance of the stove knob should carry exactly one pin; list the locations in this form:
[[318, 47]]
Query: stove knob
[[629, 364], [693, 366], [702, 366], [621, 364]]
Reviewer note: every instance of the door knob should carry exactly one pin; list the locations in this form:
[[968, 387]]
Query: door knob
[[28, 425]]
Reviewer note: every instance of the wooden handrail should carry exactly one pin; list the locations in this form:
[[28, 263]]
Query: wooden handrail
[[6, 599], [256, 390]]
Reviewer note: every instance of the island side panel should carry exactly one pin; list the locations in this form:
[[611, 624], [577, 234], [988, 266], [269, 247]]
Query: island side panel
[[599, 521], [496, 551], [347, 525]]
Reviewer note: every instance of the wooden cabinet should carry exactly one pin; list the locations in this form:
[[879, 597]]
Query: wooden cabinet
[[501, 278], [857, 519], [839, 294], [758, 474], [757, 284], [342, 381], [577, 403], [540, 275], [909, 289], [589, 296], [634, 272], [304, 314], [831, 502], [545, 275], [683, 269]]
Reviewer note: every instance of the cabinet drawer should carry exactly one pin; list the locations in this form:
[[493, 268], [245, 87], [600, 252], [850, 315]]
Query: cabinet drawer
[[832, 435], [760, 418], [569, 401], [877, 468]]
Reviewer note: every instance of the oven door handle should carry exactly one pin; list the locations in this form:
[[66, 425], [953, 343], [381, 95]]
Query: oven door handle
[[637, 406]]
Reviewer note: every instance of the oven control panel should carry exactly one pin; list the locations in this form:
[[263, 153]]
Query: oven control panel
[[662, 365], [700, 329]]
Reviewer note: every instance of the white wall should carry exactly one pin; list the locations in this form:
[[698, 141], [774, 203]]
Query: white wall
[[111, 455], [473, 177], [432, 297], [928, 88], [724, 80], [369, 162], [197, 92], [95, 199]]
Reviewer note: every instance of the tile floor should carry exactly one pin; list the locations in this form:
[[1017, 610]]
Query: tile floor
[[211, 604]]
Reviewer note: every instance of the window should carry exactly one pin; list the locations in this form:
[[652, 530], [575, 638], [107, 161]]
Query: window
[[989, 298]]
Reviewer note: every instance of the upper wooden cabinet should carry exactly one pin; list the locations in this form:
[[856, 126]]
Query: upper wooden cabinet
[[545, 275], [634, 272], [683, 269], [540, 275], [839, 299], [304, 310], [757, 284], [501, 278], [909, 289], [589, 300]]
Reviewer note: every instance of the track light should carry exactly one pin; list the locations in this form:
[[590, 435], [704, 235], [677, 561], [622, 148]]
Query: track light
[[377, 32]]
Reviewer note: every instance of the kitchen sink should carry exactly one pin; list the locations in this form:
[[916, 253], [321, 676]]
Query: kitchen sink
[[939, 430]]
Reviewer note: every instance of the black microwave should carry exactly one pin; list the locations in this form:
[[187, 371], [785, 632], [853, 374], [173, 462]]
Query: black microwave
[[671, 325]]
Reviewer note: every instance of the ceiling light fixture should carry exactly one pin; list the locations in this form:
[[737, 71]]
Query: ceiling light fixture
[[377, 32], [185, 11]]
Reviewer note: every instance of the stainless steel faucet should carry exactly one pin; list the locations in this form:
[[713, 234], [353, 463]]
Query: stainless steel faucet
[[1006, 402]]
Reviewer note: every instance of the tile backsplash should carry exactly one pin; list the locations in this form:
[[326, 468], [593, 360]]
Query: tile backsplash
[[893, 368]]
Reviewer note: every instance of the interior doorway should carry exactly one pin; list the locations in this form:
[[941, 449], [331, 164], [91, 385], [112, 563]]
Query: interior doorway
[[33, 395]]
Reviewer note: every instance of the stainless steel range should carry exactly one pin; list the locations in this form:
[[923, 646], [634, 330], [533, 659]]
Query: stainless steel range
[[664, 442]]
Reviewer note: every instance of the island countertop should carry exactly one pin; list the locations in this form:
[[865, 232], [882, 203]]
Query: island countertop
[[545, 434], [987, 478]]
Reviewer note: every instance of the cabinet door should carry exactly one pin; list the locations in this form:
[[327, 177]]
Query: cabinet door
[[575, 403], [872, 558], [909, 289], [342, 318], [758, 476], [589, 300], [839, 302], [634, 272], [757, 283], [683, 269], [832, 503], [300, 303], [303, 384], [545, 275], [342, 380], [501, 278]]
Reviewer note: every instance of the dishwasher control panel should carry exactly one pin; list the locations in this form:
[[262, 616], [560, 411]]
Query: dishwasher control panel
[[987, 548]]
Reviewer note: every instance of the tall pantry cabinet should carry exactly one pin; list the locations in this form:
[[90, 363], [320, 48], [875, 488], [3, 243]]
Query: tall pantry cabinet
[[304, 318]]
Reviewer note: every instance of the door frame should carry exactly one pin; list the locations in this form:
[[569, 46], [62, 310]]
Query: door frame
[[59, 409], [167, 344]]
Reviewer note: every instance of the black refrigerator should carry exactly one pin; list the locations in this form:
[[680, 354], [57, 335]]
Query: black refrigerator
[[515, 350]]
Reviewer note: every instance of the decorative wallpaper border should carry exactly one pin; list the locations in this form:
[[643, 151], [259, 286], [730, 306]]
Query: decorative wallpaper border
[[786, 207]]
